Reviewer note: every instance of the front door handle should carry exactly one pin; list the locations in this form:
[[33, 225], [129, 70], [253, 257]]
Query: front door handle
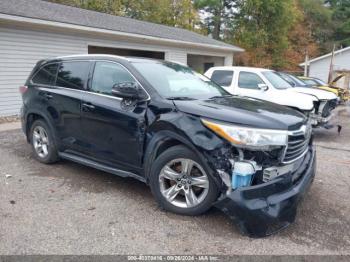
[[88, 106], [48, 96]]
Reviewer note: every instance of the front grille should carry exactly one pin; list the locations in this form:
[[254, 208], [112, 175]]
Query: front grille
[[298, 143]]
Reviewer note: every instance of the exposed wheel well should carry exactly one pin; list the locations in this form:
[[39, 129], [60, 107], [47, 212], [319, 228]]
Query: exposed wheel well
[[166, 145], [30, 120]]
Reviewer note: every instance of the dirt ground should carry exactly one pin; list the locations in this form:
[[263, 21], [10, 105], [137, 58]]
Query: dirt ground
[[67, 208]]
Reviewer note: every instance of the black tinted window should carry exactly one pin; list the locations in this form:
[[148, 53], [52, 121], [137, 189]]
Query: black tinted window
[[46, 75], [106, 75], [249, 80], [222, 77], [72, 74]]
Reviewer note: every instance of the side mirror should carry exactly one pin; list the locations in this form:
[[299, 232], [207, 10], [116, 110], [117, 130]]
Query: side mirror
[[129, 90], [263, 87]]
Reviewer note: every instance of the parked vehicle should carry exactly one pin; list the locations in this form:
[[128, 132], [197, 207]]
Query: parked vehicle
[[267, 85], [343, 94], [328, 100], [168, 126], [298, 86], [293, 80]]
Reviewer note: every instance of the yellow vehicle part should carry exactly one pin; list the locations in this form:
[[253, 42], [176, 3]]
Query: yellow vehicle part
[[343, 94], [330, 89]]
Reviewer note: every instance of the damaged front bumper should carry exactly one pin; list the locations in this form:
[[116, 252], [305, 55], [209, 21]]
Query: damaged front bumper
[[318, 120], [264, 209]]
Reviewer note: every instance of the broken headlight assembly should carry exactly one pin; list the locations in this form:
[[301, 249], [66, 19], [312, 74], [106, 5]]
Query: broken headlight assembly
[[249, 138], [252, 145]]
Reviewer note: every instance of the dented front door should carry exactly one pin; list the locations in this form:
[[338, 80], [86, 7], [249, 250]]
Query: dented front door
[[113, 128]]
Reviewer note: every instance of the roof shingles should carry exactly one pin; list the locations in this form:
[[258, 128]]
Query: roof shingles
[[66, 14]]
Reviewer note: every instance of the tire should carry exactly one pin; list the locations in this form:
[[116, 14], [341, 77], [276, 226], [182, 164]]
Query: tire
[[195, 182], [50, 154]]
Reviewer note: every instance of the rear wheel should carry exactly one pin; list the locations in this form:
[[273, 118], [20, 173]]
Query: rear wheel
[[180, 182], [42, 142]]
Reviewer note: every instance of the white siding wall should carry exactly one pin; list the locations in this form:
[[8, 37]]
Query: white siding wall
[[20, 49], [19, 52], [320, 68], [176, 56]]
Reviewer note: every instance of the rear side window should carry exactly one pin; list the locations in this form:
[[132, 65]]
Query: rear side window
[[73, 74], [46, 75], [222, 77], [249, 80]]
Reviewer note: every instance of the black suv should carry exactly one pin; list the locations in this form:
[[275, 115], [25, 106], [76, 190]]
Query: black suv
[[172, 128]]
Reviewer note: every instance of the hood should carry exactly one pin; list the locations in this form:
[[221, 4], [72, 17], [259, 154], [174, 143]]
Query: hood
[[320, 94], [335, 80], [244, 111], [286, 97]]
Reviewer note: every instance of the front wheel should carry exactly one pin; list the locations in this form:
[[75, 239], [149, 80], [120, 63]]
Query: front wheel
[[180, 182]]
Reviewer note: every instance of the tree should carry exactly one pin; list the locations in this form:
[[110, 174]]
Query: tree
[[341, 18], [105, 6], [262, 27], [217, 15], [310, 34], [317, 20], [178, 13]]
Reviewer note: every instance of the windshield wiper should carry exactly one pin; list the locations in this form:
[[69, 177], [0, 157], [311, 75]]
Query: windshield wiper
[[220, 96], [180, 98]]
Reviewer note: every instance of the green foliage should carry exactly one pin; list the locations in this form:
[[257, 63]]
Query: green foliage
[[264, 25], [341, 19], [275, 33], [218, 15], [317, 20], [179, 13]]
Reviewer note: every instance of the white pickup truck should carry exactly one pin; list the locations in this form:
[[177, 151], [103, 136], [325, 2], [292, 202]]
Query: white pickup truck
[[267, 85]]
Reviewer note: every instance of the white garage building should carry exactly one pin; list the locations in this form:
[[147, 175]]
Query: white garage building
[[31, 30], [319, 67]]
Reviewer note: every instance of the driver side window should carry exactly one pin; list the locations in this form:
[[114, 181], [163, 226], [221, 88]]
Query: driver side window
[[249, 80], [106, 75]]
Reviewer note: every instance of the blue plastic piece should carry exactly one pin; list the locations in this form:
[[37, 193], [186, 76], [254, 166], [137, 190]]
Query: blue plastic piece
[[239, 180]]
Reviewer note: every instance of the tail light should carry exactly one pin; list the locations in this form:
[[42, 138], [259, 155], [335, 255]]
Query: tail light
[[23, 89]]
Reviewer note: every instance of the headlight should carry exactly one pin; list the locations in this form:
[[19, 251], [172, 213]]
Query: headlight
[[253, 138]]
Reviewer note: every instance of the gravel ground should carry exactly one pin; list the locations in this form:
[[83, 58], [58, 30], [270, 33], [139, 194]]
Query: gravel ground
[[67, 208]]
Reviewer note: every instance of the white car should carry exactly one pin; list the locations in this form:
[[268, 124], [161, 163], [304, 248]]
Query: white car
[[267, 85]]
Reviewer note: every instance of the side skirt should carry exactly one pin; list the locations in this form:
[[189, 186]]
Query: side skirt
[[99, 166]]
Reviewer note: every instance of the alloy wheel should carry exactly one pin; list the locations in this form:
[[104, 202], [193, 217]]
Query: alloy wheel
[[40, 141], [183, 183]]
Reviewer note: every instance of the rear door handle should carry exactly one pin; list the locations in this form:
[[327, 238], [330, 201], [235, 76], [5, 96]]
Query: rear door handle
[[88, 106]]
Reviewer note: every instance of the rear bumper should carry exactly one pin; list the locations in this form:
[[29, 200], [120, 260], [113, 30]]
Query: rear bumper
[[265, 209]]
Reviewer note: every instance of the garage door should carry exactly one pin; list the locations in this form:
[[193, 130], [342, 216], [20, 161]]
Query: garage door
[[125, 52]]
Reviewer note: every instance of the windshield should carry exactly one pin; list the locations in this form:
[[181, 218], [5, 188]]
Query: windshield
[[296, 80], [311, 82], [174, 81], [277, 81], [319, 81]]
